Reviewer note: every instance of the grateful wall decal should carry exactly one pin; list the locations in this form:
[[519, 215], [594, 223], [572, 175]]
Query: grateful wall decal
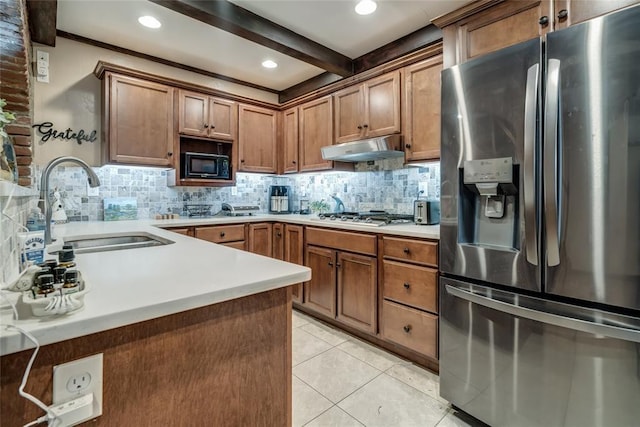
[[47, 132]]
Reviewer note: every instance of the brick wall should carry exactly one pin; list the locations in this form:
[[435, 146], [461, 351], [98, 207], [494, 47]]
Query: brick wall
[[15, 51]]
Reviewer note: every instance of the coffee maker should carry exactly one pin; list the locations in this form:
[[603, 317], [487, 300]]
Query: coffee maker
[[279, 199]]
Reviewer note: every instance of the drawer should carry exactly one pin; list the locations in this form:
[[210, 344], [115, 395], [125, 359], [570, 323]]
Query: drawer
[[418, 251], [410, 328], [221, 233], [187, 231], [411, 284], [343, 240]]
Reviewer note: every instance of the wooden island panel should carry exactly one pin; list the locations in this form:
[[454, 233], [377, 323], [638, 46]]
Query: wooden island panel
[[227, 364]]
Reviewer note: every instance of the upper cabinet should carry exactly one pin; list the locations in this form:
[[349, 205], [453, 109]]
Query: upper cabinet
[[316, 131], [467, 35], [369, 109], [137, 121], [257, 137], [204, 116], [290, 140], [421, 109]]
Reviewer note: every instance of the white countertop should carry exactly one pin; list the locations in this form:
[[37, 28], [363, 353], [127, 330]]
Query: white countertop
[[407, 230], [130, 286], [134, 285]]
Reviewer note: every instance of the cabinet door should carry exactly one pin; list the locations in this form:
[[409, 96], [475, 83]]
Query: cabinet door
[[349, 114], [257, 132], [193, 110], [320, 291], [570, 12], [261, 238], [357, 283], [382, 105], [140, 122], [278, 241], [316, 130], [223, 119], [421, 109], [290, 140], [294, 252], [499, 26]]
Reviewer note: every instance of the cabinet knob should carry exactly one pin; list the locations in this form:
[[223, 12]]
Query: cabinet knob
[[222, 234], [359, 127], [241, 160], [330, 264], [563, 14], [206, 126], [365, 125], [407, 285], [169, 154], [293, 161], [407, 145], [544, 20], [279, 234], [338, 264], [407, 328], [213, 126], [406, 251]]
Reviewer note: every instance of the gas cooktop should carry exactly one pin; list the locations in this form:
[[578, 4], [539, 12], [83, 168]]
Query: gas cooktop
[[370, 218]]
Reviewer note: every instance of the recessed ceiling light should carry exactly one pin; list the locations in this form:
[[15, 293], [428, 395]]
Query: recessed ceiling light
[[269, 64], [366, 7], [149, 22]]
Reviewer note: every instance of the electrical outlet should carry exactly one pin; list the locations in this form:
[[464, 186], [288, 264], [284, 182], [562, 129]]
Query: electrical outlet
[[234, 191], [78, 378]]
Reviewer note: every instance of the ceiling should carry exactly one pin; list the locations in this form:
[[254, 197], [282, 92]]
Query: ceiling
[[185, 40]]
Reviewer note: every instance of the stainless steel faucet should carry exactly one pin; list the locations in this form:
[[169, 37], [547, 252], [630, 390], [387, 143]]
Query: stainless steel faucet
[[339, 205], [93, 179]]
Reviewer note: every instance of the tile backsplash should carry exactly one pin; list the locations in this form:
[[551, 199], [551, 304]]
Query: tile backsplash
[[13, 214], [388, 186]]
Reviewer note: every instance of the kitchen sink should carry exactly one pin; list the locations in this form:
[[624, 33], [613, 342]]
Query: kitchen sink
[[115, 242]]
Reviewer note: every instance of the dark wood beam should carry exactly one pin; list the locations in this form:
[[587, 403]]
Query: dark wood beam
[[243, 23], [307, 86], [397, 48], [42, 15], [119, 49]]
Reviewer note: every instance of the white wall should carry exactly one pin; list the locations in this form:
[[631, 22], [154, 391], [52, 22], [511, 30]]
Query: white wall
[[72, 97]]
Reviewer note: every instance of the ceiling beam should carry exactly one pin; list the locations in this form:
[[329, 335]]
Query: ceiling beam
[[243, 23], [42, 15], [307, 86], [397, 48]]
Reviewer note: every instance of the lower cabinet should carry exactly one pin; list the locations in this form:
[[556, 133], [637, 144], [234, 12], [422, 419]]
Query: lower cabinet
[[410, 294], [294, 253], [261, 238], [343, 284]]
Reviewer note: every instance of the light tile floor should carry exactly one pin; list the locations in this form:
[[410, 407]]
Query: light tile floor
[[341, 381]]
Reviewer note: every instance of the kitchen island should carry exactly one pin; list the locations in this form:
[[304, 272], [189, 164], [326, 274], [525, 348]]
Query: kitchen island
[[192, 333]]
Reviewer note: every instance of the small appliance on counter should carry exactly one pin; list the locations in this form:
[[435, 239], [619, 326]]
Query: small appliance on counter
[[426, 212], [279, 199], [239, 209]]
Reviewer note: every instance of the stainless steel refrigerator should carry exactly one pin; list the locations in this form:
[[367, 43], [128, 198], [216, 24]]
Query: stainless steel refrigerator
[[540, 229]]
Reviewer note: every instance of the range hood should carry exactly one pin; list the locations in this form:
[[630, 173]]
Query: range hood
[[383, 147]]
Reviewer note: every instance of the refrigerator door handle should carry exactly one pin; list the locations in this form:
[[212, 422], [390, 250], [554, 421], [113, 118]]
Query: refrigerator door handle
[[525, 312], [530, 114], [550, 162]]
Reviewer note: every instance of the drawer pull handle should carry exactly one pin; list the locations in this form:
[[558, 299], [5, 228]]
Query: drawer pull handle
[[406, 250], [407, 328], [222, 234], [407, 285]]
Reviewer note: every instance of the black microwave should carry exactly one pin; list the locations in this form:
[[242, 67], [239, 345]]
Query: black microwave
[[205, 166]]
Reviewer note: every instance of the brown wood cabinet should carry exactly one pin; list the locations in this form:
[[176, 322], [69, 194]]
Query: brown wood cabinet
[[278, 241], [204, 116], [290, 140], [137, 121], [187, 231], [257, 137], [261, 238], [316, 131], [294, 253], [410, 294], [228, 235], [470, 32], [344, 277], [368, 109], [421, 109]]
